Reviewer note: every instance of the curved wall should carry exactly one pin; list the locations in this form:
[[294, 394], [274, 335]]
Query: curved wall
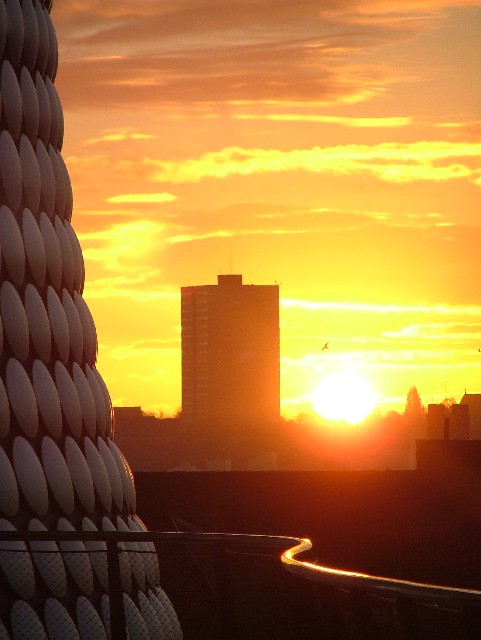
[[59, 467]]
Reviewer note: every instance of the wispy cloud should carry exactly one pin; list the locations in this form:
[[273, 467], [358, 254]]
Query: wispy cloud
[[142, 198], [352, 122], [224, 233], [120, 135], [452, 331], [382, 308], [145, 348], [125, 248], [389, 161], [144, 286], [249, 51], [92, 22]]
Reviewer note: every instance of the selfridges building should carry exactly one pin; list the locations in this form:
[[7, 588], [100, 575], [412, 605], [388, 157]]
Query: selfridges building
[[59, 467]]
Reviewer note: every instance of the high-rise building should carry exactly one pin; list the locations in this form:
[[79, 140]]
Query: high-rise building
[[230, 353]]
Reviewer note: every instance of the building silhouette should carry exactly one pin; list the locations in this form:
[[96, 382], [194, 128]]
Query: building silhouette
[[230, 354], [455, 422], [473, 402]]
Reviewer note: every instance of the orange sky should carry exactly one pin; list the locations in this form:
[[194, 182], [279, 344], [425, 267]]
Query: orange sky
[[332, 147]]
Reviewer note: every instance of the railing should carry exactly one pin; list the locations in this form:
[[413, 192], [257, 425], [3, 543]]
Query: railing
[[235, 586], [357, 605]]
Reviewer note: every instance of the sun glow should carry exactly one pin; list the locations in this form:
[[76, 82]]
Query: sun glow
[[345, 396]]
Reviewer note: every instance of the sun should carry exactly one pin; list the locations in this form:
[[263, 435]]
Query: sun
[[345, 396]]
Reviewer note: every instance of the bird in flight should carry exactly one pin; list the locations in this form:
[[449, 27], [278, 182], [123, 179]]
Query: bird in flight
[[326, 346]]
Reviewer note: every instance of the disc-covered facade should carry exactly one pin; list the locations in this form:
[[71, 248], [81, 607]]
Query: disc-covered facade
[[60, 469]]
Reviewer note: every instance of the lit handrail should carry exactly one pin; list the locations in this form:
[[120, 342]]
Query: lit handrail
[[289, 547], [377, 585], [168, 537]]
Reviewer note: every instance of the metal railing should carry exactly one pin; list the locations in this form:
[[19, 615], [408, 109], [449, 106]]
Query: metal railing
[[236, 586], [358, 605]]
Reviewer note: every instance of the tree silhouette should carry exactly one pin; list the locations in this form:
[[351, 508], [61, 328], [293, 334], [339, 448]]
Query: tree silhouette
[[448, 402], [414, 406]]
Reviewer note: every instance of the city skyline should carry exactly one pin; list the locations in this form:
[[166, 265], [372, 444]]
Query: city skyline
[[334, 151]]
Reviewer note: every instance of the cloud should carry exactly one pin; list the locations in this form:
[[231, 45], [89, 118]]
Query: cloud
[[123, 248], [97, 214], [120, 135], [451, 332], [90, 21], [260, 219], [230, 75], [209, 52], [380, 308], [352, 122], [390, 162], [373, 262], [144, 286], [144, 348], [142, 198]]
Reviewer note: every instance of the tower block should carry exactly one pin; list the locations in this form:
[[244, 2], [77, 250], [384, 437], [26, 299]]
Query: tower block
[[60, 469]]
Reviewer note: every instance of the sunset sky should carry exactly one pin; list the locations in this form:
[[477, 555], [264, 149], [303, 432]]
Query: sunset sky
[[333, 147]]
